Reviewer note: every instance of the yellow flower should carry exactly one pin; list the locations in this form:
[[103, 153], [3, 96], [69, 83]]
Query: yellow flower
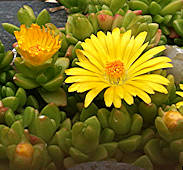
[[113, 61], [36, 45], [179, 104]]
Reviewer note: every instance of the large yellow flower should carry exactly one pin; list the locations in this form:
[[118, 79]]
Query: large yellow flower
[[36, 45], [180, 93], [113, 61]]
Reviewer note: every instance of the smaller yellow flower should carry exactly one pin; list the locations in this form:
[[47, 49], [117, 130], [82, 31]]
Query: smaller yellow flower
[[25, 150], [180, 93], [171, 119], [36, 45]]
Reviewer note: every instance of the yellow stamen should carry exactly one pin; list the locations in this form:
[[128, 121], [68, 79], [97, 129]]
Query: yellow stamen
[[34, 50], [114, 71]]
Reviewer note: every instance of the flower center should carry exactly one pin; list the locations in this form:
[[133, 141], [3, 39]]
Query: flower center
[[34, 50], [114, 71]]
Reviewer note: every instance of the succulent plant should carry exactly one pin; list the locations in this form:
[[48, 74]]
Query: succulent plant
[[75, 31], [168, 14], [50, 74], [49, 77], [166, 150], [26, 16], [93, 6], [23, 151], [6, 69], [57, 141], [58, 135]]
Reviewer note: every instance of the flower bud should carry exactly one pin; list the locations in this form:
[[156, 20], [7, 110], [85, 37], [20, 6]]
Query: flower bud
[[24, 150], [79, 26], [30, 12], [22, 156], [105, 21], [24, 17], [171, 119]]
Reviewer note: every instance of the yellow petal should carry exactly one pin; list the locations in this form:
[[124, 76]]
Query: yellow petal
[[93, 59], [136, 55], [92, 94], [100, 49], [80, 71], [85, 63], [73, 79], [128, 94], [179, 104], [117, 99], [152, 78], [181, 86], [73, 87], [139, 40], [179, 93], [90, 52], [108, 96], [125, 39], [110, 46], [147, 55], [150, 63], [102, 39], [128, 50], [158, 87], [116, 42], [141, 94], [153, 68], [120, 90], [128, 98], [81, 87], [134, 91], [140, 85], [90, 85]]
